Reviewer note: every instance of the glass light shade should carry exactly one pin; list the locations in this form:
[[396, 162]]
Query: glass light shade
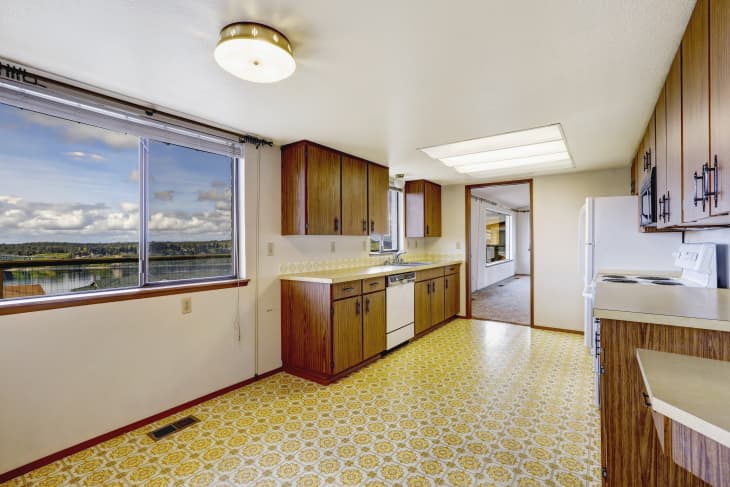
[[255, 52]]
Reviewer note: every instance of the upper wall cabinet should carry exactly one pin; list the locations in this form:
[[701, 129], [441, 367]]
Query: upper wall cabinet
[[719, 107], [378, 184], [669, 128], [327, 192], [423, 209], [696, 113]]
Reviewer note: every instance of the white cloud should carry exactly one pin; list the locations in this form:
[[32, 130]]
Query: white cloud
[[129, 206], [80, 155]]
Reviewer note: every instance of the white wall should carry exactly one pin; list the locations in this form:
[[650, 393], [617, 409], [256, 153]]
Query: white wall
[[722, 238], [522, 243], [556, 202], [484, 275]]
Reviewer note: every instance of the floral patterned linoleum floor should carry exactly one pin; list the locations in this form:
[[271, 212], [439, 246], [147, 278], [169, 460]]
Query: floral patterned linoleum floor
[[473, 403]]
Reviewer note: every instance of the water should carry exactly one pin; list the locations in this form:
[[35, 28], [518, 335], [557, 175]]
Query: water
[[67, 278]]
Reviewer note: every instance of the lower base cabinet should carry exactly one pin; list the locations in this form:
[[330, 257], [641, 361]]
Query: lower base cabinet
[[631, 451], [329, 330]]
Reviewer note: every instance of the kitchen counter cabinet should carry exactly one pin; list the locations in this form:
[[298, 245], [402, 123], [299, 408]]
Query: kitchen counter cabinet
[[373, 324], [631, 452], [346, 333]]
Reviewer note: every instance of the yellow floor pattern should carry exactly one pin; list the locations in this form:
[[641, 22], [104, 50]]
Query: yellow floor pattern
[[473, 403]]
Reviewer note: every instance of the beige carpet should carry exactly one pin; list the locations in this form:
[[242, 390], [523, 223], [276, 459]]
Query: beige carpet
[[507, 300]]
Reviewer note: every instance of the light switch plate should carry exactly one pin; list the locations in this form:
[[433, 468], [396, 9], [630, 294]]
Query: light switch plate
[[187, 305], [332, 246], [270, 248]]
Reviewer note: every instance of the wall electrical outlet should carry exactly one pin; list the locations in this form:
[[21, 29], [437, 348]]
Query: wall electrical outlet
[[270, 248], [332, 246], [187, 305], [458, 245]]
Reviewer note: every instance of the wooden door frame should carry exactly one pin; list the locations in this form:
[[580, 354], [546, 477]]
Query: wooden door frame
[[467, 195]]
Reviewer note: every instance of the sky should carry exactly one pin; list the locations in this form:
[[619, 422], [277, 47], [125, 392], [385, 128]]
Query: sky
[[64, 181]]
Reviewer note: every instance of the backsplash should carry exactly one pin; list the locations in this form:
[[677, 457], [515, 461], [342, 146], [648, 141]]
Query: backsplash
[[365, 261]]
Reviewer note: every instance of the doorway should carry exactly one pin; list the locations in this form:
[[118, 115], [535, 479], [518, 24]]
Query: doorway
[[499, 239]]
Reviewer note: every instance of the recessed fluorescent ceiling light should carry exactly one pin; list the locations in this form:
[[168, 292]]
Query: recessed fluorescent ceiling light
[[531, 150]]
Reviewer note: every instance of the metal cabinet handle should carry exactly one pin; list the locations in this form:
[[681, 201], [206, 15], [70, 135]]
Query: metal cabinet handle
[[337, 224], [348, 289], [706, 170], [427, 230], [373, 284], [367, 305], [647, 403], [446, 283], [697, 198], [364, 225], [648, 160], [372, 225], [428, 288], [667, 208], [357, 307]]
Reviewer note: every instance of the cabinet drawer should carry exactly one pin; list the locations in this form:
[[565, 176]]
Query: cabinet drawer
[[429, 274], [346, 289], [451, 269], [373, 284]]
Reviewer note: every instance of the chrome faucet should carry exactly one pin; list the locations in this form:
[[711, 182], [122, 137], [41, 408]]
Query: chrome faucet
[[397, 258]]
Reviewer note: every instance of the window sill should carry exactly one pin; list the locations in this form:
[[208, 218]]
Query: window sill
[[67, 301], [499, 262]]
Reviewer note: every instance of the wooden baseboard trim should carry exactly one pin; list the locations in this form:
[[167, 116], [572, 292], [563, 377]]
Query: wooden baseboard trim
[[16, 472], [563, 330]]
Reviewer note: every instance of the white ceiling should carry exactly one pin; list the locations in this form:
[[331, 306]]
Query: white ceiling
[[514, 196], [382, 78]]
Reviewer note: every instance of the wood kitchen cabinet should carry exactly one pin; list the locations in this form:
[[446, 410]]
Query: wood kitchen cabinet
[[451, 295], [378, 185], [373, 324], [354, 196], [346, 333], [631, 451], [669, 172], [429, 303], [695, 112], [328, 192], [719, 107], [423, 209]]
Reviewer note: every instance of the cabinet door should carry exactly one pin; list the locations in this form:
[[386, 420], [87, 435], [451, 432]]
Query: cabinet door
[[672, 189], [293, 190], [423, 306], [651, 142], [451, 295], [378, 184], [660, 157], [354, 196], [373, 324], [695, 109], [437, 300], [720, 103], [415, 209], [347, 333], [323, 191], [433, 210]]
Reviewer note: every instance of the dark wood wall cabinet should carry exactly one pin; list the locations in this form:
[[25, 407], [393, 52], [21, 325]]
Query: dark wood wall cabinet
[[632, 453], [331, 330], [328, 192], [686, 138], [423, 209]]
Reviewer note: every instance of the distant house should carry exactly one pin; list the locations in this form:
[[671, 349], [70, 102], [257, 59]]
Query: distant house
[[22, 290]]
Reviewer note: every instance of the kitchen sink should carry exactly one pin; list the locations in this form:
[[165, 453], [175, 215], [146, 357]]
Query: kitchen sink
[[409, 264]]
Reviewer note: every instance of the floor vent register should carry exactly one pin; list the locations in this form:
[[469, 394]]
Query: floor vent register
[[171, 428]]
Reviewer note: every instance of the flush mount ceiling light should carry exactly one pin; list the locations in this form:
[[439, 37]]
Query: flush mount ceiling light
[[532, 150], [255, 52]]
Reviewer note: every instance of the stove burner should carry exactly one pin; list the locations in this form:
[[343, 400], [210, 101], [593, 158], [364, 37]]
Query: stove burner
[[667, 283], [613, 276], [627, 281], [654, 278]]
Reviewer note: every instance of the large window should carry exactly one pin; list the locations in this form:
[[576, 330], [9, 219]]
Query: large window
[[498, 229], [390, 241], [85, 208]]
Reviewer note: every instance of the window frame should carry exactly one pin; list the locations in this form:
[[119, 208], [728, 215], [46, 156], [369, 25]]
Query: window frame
[[57, 99], [508, 245]]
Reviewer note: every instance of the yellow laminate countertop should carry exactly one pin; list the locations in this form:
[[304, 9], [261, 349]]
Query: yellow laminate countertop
[[334, 276], [693, 307], [690, 390]]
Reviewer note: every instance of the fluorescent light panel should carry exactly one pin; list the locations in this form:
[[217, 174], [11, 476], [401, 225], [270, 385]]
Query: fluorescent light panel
[[530, 149]]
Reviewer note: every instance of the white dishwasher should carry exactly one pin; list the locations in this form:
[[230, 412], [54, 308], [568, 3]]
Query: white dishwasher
[[400, 308]]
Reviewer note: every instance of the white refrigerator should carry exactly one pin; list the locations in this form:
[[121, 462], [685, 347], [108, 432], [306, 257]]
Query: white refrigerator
[[610, 237]]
